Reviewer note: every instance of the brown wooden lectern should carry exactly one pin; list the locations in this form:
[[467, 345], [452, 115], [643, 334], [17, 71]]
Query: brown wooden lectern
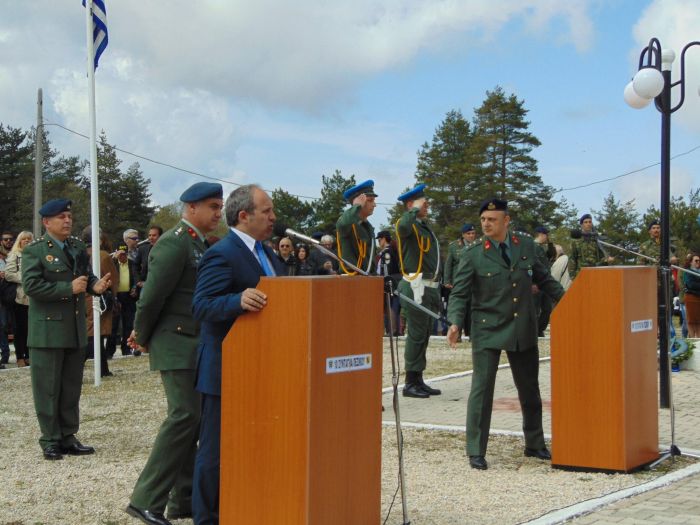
[[604, 383], [301, 405]]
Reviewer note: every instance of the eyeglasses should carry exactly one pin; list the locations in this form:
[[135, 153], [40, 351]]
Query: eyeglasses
[[133, 238]]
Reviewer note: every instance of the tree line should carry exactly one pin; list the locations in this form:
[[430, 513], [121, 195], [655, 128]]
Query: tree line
[[465, 162]]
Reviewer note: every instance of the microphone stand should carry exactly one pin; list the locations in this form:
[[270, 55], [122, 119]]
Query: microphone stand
[[673, 449], [394, 349], [348, 264]]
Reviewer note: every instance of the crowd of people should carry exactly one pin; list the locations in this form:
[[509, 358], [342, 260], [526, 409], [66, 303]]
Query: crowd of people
[[175, 296]]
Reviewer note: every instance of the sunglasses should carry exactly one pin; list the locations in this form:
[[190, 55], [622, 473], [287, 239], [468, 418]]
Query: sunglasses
[[133, 238], [8, 238]]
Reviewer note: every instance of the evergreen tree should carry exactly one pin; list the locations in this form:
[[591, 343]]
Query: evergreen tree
[[684, 226], [451, 166], [16, 172], [618, 223], [509, 171], [330, 206], [291, 211]]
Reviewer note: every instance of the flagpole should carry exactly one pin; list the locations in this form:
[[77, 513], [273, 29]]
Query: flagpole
[[94, 208]]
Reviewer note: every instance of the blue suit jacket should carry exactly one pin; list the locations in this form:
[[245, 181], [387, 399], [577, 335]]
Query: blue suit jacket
[[225, 271]]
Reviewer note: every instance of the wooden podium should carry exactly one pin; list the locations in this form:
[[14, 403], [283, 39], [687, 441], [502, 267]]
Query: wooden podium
[[301, 405], [604, 364]]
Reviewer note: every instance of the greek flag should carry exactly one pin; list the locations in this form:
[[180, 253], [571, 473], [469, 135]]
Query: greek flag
[[99, 28]]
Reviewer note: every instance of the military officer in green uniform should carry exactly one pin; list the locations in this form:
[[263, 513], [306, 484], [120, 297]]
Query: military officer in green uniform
[[56, 274], [354, 233], [454, 250], [165, 326], [652, 246], [547, 254], [497, 276], [419, 261], [587, 251]]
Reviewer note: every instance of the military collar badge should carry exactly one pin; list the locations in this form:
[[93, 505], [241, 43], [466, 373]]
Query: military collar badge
[[192, 233], [487, 245], [515, 239]]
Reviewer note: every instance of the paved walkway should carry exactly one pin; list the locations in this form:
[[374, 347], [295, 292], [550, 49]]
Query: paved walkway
[[675, 503]]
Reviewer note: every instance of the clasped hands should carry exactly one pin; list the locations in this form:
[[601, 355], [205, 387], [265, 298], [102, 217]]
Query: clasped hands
[[80, 284]]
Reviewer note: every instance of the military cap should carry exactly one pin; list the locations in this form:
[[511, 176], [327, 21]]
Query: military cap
[[202, 190], [541, 229], [384, 234], [366, 188], [584, 217], [54, 207], [415, 193], [493, 205], [317, 235], [467, 227], [655, 222]]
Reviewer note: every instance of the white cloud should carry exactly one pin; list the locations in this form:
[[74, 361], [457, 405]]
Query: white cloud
[[676, 23]]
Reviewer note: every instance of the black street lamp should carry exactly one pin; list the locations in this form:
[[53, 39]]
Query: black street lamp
[[653, 81]]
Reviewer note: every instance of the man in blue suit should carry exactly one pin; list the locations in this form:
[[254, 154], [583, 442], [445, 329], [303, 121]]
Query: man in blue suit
[[228, 274]]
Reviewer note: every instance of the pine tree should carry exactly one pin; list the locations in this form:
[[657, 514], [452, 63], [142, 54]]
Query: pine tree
[[509, 171], [330, 206], [618, 223], [291, 211], [16, 172]]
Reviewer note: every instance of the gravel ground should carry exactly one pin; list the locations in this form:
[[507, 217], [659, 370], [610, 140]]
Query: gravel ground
[[121, 419]]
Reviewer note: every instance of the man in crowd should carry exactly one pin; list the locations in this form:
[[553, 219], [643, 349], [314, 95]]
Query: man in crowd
[[454, 250], [165, 325], [419, 261], [355, 233], [547, 254], [285, 254], [142, 251], [388, 265], [587, 251], [56, 274], [126, 304], [496, 275], [8, 240], [228, 275]]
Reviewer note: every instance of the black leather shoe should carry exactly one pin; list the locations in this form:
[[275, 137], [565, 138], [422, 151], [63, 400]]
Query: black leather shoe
[[53, 452], [179, 515], [430, 390], [77, 449], [414, 390], [478, 462], [542, 453], [147, 516]]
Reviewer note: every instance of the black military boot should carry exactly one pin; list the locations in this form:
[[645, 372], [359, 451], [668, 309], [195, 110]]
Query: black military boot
[[426, 388], [412, 388]]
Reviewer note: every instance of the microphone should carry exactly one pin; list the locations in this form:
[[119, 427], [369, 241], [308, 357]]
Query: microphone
[[281, 230]]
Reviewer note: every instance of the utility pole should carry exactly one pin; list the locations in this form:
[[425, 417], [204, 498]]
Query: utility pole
[[38, 163]]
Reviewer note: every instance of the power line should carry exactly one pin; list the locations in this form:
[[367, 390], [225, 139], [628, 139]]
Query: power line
[[198, 174]]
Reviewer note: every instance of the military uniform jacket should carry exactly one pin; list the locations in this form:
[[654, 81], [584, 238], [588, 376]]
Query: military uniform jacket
[[503, 310], [585, 252], [164, 321], [411, 245], [56, 315], [355, 244]]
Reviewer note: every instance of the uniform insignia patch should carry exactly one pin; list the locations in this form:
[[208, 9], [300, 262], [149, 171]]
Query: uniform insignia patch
[[192, 233], [487, 245], [178, 231], [491, 206], [515, 240], [49, 258]]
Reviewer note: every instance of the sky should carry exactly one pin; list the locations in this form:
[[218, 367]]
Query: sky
[[280, 93]]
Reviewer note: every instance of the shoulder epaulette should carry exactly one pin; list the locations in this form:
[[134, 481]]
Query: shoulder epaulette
[[37, 240]]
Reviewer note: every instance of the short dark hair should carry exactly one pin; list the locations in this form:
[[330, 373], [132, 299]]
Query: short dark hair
[[240, 199], [155, 227]]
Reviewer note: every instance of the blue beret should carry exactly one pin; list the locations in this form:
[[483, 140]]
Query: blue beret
[[541, 229], [317, 235], [366, 188], [493, 205], [655, 222], [584, 217], [415, 193], [202, 190], [54, 207], [467, 227]]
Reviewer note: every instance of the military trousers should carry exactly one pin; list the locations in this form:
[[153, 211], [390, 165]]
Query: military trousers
[[544, 306], [57, 380], [524, 366], [419, 326], [167, 477]]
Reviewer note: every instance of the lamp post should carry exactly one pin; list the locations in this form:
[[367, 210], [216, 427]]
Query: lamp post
[[653, 81]]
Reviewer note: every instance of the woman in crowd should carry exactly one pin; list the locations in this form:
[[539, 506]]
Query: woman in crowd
[[691, 282], [13, 274], [304, 267]]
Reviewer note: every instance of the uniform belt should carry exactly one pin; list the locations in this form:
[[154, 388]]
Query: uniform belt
[[430, 284]]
